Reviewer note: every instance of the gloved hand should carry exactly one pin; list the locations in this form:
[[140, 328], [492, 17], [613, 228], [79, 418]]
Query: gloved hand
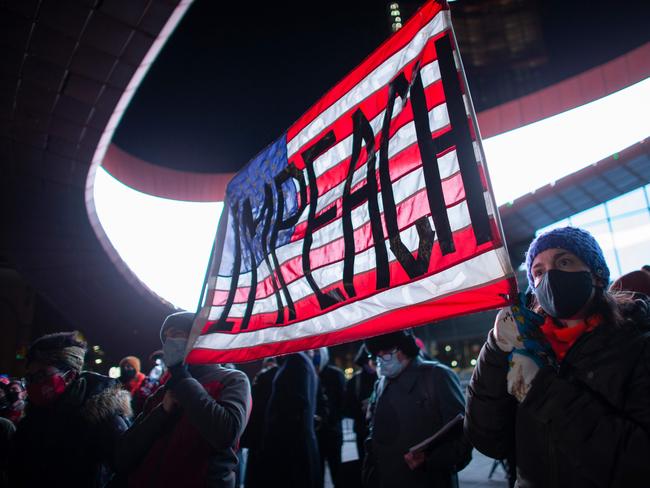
[[177, 373], [506, 331], [521, 372], [516, 330]]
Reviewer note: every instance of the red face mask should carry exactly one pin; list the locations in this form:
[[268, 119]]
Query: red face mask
[[47, 390]]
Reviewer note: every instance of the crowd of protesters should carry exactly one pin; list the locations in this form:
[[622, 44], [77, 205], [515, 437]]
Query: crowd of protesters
[[561, 391]]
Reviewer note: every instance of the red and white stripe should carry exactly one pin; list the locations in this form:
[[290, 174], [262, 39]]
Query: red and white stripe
[[481, 272]]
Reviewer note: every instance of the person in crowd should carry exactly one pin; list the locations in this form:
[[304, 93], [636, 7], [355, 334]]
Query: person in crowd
[[152, 381], [130, 375], [290, 449], [635, 281], [253, 435], [358, 390], [330, 432], [135, 382], [7, 430], [423, 349], [412, 400], [158, 368], [188, 433], [4, 401], [14, 404], [565, 386], [73, 420]]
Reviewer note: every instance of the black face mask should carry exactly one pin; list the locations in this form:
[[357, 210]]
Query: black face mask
[[563, 293], [127, 374], [12, 397]]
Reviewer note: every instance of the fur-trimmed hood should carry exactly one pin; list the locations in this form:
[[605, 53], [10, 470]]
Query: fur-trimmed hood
[[104, 398]]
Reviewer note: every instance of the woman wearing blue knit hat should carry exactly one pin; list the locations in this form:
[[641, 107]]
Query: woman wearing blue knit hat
[[565, 387]]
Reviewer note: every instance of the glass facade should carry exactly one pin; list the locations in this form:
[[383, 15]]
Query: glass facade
[[622, 228]]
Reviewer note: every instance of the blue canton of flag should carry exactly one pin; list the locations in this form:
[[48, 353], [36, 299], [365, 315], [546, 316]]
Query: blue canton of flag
[[249, 184]]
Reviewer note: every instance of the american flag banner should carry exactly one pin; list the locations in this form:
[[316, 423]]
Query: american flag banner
[[372, 213]]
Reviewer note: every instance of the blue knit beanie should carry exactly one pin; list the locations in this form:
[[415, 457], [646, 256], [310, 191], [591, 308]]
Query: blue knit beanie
[[578, 241]]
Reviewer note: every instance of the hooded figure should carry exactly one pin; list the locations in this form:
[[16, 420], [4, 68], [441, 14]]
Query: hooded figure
[[253, 436], [330, 431], [189, 430], [291, 458], [73, 420], [130, 375], [562, 382]]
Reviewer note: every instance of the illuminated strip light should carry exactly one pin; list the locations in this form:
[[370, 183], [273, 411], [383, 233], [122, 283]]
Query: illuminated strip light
[[527, 158]]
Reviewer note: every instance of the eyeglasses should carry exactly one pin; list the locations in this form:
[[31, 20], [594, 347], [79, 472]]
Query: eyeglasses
[[387, 356]]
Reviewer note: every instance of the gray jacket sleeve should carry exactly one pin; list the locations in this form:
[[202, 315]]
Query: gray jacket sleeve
[[221, 422]]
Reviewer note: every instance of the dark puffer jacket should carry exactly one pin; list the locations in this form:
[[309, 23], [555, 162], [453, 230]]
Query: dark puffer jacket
[[586, 425], [71, 443]]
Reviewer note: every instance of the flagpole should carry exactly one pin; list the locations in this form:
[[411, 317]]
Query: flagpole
[[215, 260], [479, 139], [217, 243]]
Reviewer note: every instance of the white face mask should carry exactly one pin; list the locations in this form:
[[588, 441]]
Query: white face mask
[[174, 350], [390, 367]]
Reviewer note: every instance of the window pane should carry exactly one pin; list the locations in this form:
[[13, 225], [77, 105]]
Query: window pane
[[629, 202], [560, 223], [631, 238], [590, 216]]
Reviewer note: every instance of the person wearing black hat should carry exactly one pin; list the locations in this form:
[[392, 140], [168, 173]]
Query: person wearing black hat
[[72, 422], [412, 400], [188, 433], [562, 383]]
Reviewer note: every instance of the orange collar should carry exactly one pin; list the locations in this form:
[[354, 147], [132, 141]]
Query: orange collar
[[562, 338]]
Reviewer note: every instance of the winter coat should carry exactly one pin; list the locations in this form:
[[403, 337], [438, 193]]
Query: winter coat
[[134, 384], [7, 430], [253, 435], [585, 425], [291, 457], [332, 381], [358, 390], [71, 443], [403, 412], [196, 445]]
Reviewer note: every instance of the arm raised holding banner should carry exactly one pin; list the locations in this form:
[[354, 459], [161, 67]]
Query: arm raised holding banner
[[566, 388]]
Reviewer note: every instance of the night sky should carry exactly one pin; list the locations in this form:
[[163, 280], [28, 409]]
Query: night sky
[[235, 76]]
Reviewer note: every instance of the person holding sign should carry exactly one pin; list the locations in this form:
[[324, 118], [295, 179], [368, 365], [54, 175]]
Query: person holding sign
[[189, 430], [413, 400], [566, 386]]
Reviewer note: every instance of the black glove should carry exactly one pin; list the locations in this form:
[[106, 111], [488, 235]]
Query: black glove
[[177, 373]]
